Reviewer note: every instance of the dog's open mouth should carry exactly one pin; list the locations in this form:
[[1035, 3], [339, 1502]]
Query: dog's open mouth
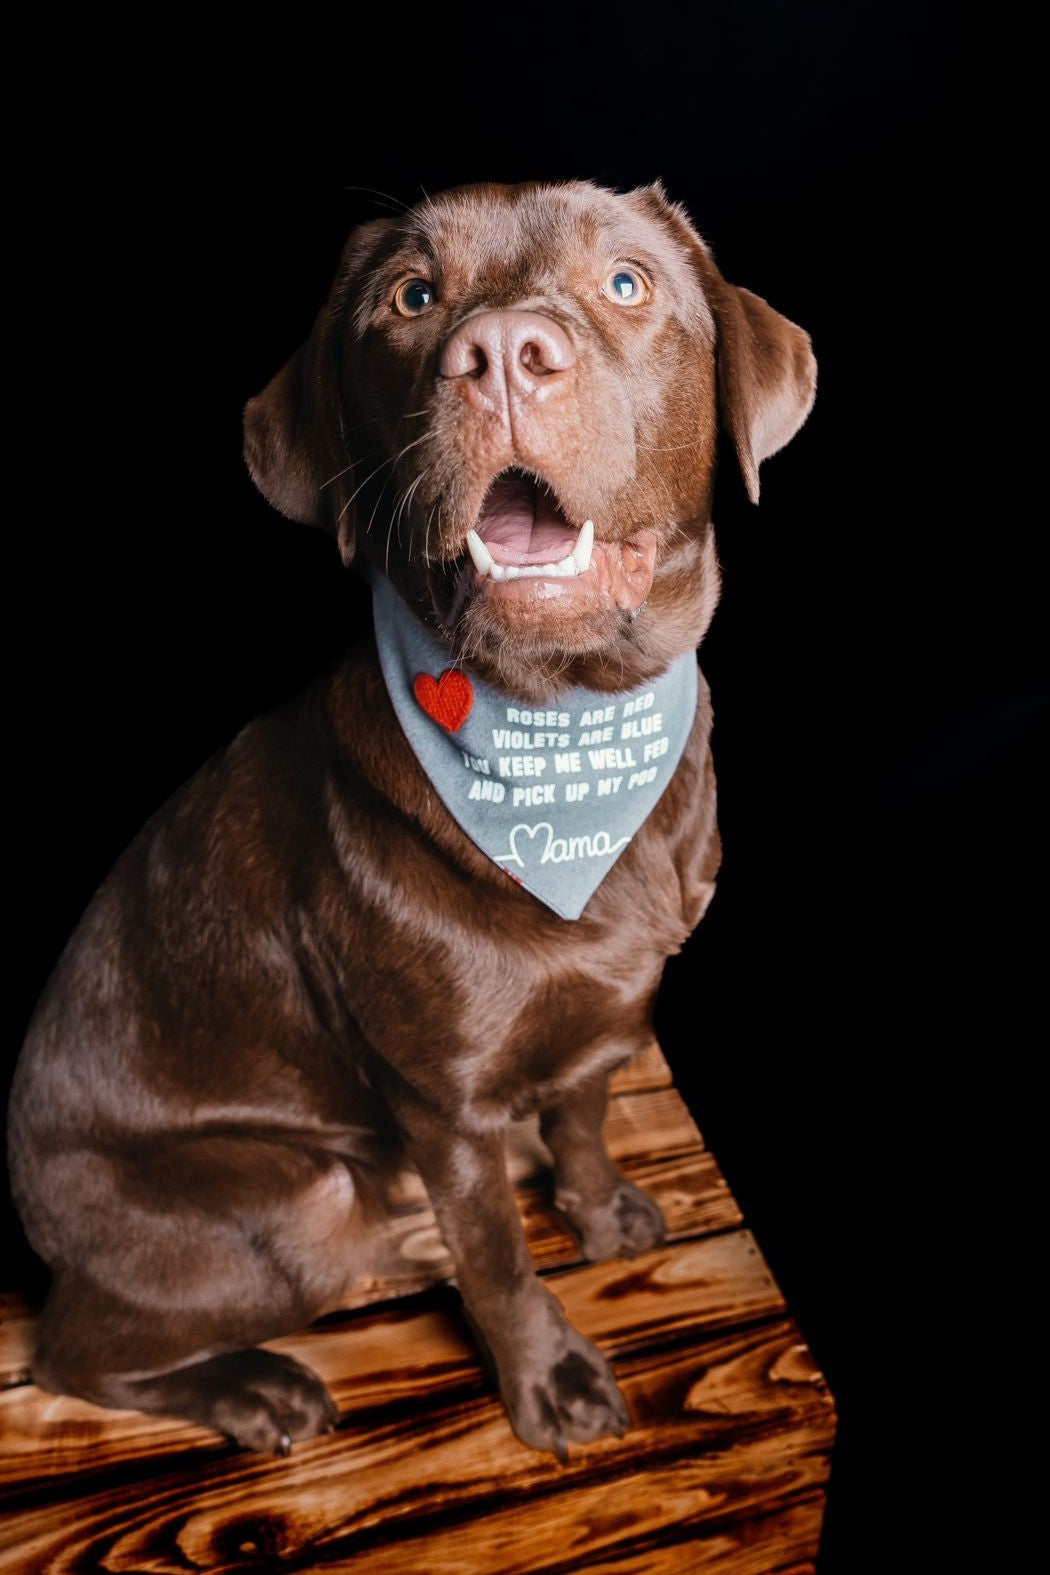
[[522, 533], [523, 548]]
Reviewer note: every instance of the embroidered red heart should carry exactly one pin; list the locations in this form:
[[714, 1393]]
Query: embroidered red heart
[[447, 700]]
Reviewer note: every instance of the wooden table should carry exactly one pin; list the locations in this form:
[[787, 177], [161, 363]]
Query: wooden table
[[723, 1471]]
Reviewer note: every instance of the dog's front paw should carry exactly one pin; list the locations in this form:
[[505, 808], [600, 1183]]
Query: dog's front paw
[[627, 1223], [565, 1395]]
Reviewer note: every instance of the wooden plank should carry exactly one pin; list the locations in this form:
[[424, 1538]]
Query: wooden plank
[[647, 1069], [712, 1283], [374, 1361], [418, 1354], [16, 1337], [721, 1472], [649, 1121], [447, 1489], [783, 1543]]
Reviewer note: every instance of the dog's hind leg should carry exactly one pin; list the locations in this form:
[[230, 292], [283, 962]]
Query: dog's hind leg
[[258, 1398], [164, 1307]]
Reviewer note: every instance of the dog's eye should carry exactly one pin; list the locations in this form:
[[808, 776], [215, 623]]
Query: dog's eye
[[626, 287], [413, 297]]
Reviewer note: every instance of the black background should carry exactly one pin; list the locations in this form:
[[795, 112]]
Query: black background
[[874, 661]]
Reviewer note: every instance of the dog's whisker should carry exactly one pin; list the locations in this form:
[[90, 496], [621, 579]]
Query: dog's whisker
[[439, 519], [406, 497], [373, 191], [429, 204], [395, 508], [394, 515], [338, 473], [383, 463], [410, 415], [398, 508], [353, 495], [426, 534], [414, 444], [419, 482], [371, 517]]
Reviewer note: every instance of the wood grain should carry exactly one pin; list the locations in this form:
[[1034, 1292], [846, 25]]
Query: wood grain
[[647, 1069], [429, 1486], [16, 1336], [778, 1544], [721, 1472], [422, 1356]]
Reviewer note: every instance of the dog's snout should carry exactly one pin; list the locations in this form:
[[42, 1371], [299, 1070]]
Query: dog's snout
[[506, 350]]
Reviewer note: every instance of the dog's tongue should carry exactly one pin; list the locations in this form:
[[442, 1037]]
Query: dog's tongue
[[522, 523]]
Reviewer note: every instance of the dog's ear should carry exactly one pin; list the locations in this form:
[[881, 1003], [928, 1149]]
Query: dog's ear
[[282, 435], [767, 373], [294, 440]]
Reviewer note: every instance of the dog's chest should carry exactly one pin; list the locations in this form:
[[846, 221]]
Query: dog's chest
[[476, 994], [525, 1021], [491, 1085]]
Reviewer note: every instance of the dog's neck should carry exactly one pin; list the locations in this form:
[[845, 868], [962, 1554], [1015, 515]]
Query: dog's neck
[[553, 794]]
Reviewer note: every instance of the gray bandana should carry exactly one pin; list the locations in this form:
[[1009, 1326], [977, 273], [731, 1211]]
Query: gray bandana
[[552, 796]]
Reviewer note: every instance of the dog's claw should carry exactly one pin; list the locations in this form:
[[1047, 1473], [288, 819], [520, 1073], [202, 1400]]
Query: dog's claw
[[284, 1446], [560, 1451]]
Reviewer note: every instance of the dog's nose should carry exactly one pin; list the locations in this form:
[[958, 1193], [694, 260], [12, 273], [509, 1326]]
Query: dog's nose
[[522, 353]]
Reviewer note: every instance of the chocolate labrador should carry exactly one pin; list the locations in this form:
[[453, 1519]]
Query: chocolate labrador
[[436, 893]]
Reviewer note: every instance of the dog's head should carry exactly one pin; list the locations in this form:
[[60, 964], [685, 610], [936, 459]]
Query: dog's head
[[502, 365]]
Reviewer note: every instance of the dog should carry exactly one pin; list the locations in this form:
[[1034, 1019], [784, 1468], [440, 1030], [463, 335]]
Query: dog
[[436, 893]]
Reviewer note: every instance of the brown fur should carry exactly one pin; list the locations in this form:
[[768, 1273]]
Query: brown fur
[[302, 967]]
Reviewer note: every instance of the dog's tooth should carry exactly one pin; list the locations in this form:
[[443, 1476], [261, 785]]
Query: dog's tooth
[[563, 569], [479, 552], [581, 553]]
